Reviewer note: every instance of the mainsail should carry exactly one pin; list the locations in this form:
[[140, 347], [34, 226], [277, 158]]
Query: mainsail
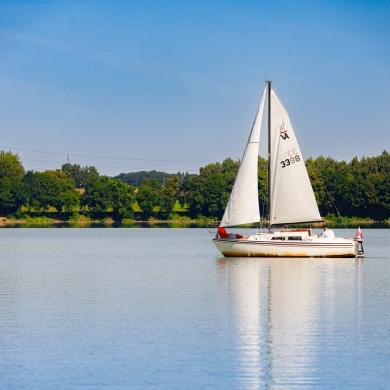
[[243, 206], [291, 193]]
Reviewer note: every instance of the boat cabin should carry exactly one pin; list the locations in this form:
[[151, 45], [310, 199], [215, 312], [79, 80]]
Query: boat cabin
[[291, 234]]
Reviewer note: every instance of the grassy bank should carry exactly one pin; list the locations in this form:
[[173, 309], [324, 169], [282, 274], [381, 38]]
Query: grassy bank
[[177, 220]]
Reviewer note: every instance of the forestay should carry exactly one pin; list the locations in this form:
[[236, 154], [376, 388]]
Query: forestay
[[243, 206]]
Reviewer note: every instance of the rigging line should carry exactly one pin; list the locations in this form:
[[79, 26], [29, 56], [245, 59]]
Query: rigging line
[[103, 157], [302, 143], [140, 159], [338, 212], [28, 150], [318, 172]]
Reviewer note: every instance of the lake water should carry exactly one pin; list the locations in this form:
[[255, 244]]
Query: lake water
[[160, 308]]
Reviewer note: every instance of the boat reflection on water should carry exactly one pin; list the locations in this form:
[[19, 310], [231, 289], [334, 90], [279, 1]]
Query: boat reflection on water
[[287, 315]]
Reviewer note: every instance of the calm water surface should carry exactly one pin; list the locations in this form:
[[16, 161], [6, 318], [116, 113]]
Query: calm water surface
[[160, 308]]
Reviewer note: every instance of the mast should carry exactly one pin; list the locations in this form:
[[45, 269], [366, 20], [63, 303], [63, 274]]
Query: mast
[[269, 82]]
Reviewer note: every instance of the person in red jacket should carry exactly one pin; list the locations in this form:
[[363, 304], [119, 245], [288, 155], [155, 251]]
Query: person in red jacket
[[224, 234]]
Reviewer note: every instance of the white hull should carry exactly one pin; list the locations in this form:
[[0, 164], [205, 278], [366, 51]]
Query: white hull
[[258, 246]]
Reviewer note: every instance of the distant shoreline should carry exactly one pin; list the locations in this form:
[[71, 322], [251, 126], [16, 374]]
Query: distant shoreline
[[82, 222], [45, 222]]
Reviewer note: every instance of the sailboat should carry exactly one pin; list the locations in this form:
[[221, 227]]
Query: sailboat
[[291, 198]]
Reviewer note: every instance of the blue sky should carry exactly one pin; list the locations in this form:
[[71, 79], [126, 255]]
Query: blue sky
[[174, 85]]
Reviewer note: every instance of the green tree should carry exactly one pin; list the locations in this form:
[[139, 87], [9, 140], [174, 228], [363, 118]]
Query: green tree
[[70, 201], [384, 198], [79, 174], [168, 196], [7, 199], [43, 191], [123, 198], [215, 195], [97, 197], [377, 192], [356, 192], [355, 189], [148, 197], [152, 183], [63, 190], [11, 166], [22, 193], [11, 176], [191, 195], [207, 194]]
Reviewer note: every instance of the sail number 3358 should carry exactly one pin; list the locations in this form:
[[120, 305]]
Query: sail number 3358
[[290, 157]]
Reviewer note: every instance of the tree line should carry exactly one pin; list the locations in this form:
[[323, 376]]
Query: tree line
[[359, 188], [137, 178]]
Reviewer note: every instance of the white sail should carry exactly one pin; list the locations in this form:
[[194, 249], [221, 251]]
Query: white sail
[[292, 197], [243, 205]]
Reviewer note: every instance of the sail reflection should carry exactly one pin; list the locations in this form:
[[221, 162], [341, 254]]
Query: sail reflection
[[285, 312]]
